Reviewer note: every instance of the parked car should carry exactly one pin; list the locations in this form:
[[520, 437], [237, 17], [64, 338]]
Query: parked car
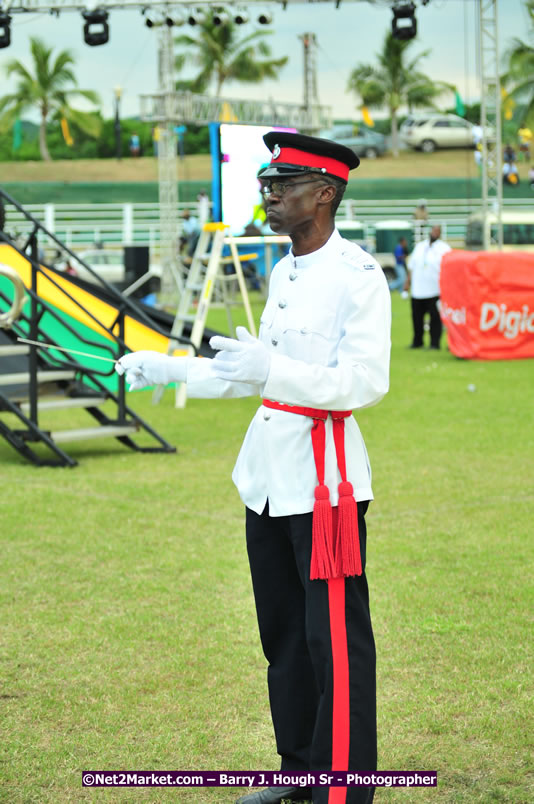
[[413, 119], [364, 142], [437, 131]]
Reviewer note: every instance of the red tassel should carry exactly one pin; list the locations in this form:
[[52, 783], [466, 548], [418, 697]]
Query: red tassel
[[322, 558], [348, 557]]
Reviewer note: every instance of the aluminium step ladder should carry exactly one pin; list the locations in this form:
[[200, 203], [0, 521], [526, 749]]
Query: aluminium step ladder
[[206, 273]]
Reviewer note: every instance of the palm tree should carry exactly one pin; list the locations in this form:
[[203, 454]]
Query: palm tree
[[518, 80], [395, 82], [47, 89], [224, 56]]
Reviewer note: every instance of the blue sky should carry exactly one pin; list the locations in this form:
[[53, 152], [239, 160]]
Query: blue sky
[[346, 36]]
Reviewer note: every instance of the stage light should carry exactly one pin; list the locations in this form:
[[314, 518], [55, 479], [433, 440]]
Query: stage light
[[169, 22], [5, 29], [220, 17], [150, 22], [404, 24], [96, 28], [241, 18], [194, 17], [265, 19]]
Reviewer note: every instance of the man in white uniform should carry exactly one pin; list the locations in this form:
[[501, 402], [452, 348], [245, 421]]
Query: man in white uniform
[[424, 266], [303, 471]]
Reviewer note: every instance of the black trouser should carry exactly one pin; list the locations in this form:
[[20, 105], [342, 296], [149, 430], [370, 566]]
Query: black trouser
[[419, 309], [300, 621]]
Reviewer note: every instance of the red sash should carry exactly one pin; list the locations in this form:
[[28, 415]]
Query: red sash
[[334, 555]]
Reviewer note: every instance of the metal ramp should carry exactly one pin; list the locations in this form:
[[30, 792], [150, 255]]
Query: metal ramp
[[36, 382], [59, 389]]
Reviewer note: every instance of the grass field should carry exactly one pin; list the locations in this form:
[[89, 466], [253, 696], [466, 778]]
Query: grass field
[[409, 164], [128, 636]]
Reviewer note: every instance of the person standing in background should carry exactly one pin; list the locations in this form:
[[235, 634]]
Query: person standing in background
[[424, 266], [420, 216], [203, 202], [400, 253], [525, 138], [189, 234], [156, 135], [135, 145]]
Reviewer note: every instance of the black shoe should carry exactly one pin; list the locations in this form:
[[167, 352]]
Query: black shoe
[[415, 346], [274, 795]]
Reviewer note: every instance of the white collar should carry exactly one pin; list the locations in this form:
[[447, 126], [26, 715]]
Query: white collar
[[333, 244]]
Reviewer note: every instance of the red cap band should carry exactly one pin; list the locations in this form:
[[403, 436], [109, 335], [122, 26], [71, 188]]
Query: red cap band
[[293, 156]]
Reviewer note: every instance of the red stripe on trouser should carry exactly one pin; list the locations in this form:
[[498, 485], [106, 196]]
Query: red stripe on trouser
[[341, 700]]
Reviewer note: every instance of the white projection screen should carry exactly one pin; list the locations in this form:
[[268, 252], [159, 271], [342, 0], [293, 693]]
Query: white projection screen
[[242, 154]]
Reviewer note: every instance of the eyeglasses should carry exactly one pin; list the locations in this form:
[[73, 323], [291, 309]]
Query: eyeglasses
[[280, 187]]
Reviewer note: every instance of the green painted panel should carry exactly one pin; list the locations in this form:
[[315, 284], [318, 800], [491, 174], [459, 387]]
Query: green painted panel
[[57, 325], [147, 192]]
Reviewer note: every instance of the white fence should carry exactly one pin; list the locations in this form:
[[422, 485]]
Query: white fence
[[80, 226]]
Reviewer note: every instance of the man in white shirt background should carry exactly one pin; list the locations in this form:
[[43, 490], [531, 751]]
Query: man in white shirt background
[[189, 234], [424, 266], [303, 471]]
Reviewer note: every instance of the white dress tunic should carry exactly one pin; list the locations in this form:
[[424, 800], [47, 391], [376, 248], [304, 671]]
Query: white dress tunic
[[327, 325]]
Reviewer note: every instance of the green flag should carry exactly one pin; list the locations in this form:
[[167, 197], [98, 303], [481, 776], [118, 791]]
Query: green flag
[[460, 108], [17, 135]]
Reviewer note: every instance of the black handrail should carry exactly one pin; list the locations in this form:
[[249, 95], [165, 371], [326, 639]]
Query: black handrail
[[25, 331], [39, 357], [122, 300]]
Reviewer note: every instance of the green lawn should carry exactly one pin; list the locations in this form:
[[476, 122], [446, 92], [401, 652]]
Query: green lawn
[[128, 636]]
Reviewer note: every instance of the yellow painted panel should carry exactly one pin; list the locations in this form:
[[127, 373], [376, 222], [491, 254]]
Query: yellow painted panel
[[137, 335]]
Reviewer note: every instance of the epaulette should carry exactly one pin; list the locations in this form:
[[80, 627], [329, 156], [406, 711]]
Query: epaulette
[[359, 258]]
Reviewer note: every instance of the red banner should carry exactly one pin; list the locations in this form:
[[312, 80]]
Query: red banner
[[487, 304]]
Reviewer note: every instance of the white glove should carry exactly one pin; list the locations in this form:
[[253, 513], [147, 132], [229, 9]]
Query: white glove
[[243, 360], [151, 368]]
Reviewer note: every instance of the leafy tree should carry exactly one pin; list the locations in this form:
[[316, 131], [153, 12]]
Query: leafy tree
[[48, 90], [471, 112], [197, 140], [222, 55], [395, 82], [518, 80]]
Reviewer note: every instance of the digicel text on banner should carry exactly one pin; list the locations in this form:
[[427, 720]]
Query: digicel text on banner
[[487, 304]]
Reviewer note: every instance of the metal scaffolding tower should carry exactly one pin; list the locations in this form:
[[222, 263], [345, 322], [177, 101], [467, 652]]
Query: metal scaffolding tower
[[311, 95], [490, 120], [171, 279]]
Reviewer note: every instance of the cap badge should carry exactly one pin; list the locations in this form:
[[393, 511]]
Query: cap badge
[[276, 152]]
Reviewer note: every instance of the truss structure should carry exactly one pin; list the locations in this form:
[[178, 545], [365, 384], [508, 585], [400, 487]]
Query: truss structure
[[490, 121], [164, 7], [171, 278], [186, 107], [309, 71]]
